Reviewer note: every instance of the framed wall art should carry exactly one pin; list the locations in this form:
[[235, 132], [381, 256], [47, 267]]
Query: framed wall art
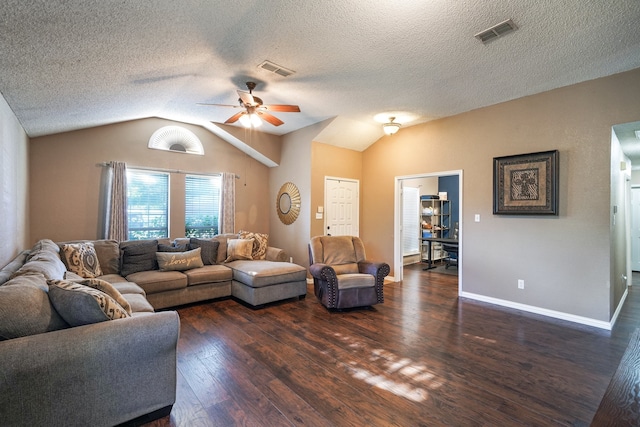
[[526, 184]]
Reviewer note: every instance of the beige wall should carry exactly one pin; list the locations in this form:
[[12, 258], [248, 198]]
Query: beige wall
[[13, 185], [65, 177], [294, 168], [564, 260], [330, 161]]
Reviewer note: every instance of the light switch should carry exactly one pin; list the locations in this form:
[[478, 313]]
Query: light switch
[[318, 215], [477, 217], [320, 209]]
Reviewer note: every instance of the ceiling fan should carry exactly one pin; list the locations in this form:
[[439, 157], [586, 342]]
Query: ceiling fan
[[255, 109]]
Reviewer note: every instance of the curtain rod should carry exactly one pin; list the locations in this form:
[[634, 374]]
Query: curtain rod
[[145, 168]]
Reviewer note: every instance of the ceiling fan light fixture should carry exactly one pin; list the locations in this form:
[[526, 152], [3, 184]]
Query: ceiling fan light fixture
[[391, 127], [250, 120]]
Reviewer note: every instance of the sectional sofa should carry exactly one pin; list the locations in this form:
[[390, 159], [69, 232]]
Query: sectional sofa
[[81, 342]]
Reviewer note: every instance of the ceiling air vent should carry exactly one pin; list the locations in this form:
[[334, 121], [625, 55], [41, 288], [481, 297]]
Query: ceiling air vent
[[496, 31], [276, 69], [176, 139]]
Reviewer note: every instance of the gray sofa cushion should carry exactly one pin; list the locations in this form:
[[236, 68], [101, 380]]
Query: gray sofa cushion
[[15, 264], [139, 303], [159, 281], [208, 274], [259, 273], [25, 308], [139, 257], [44, 262]]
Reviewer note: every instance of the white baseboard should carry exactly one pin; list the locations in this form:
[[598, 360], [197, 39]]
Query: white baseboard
[[545, 312]]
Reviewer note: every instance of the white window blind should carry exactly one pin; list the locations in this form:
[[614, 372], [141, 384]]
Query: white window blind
[[202, 205], [147, 204], [410, 221]]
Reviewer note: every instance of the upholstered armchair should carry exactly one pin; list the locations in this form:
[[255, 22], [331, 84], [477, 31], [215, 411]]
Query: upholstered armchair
[[342, 277]]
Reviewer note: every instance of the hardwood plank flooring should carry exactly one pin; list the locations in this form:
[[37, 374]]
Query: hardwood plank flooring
[[423, 358]]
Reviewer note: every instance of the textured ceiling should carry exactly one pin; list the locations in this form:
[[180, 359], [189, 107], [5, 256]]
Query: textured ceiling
[[71, 64]]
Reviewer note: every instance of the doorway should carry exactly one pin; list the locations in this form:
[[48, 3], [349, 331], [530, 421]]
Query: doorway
[[398, 219]]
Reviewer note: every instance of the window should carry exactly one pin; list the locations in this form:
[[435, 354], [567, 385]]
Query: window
[[147, 204], [202, 205], [410, 221]]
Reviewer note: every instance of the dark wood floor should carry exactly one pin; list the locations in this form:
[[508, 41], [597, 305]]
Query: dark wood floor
[[423, 358]]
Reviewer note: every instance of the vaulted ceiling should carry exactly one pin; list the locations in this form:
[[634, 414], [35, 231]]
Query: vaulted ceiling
[[67, 65]]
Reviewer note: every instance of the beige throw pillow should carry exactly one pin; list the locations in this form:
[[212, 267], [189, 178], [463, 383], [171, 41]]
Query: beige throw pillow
[[260, 243], [238, 249], [179, 261], [82, 259]]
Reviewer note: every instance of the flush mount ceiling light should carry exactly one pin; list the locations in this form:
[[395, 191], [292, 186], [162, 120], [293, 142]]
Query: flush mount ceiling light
[[391, 127], [176, 139]]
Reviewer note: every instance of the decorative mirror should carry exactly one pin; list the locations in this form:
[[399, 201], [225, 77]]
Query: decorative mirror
[[288, 203]]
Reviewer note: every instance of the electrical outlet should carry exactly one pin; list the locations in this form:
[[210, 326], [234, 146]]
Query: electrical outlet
[[520, 284]]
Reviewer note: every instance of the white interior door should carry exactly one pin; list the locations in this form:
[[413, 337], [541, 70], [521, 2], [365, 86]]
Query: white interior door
[[635, 228], [341, 207]]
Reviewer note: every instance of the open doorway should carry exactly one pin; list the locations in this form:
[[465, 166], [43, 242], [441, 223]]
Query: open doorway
[[408, 239]]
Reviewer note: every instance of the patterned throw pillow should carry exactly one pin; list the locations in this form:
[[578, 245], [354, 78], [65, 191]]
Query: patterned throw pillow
[[82, 259], [260, 243], [209, 249], [238, 249], [82, 304], [179, 261]]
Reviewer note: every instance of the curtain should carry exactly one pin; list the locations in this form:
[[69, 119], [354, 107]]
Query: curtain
[[117, 227], [228, 204]]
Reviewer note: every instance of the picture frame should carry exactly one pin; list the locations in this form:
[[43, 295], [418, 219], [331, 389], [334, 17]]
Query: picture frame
[[526, 184]]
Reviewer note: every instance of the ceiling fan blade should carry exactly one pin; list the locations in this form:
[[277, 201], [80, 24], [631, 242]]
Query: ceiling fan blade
[[269, 118], [282, 108], [235, 117], [218, 105], [247, 98]]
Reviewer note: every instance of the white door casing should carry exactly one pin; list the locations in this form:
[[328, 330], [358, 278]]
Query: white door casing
[[341, 201], [635, 228]]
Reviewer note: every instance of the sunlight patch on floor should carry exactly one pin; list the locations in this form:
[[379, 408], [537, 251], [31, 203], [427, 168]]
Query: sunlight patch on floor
[[401, 376]]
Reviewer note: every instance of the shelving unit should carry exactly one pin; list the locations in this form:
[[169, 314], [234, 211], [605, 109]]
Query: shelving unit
[[435, 221]]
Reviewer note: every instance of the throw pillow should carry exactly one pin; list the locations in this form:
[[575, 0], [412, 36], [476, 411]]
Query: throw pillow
[[208, 248], [179, 261], [82, 259], [172, 248], [80, 304], [260, 243], [238, 249], [139, 257]]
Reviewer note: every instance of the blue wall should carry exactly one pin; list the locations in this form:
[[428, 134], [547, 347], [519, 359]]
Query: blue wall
[[450, 184]]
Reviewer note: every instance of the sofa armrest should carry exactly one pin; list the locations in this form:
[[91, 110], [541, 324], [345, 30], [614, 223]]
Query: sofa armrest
[[374, 268], [322, 272], [379, 270], [276, 254], [100, 374]]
